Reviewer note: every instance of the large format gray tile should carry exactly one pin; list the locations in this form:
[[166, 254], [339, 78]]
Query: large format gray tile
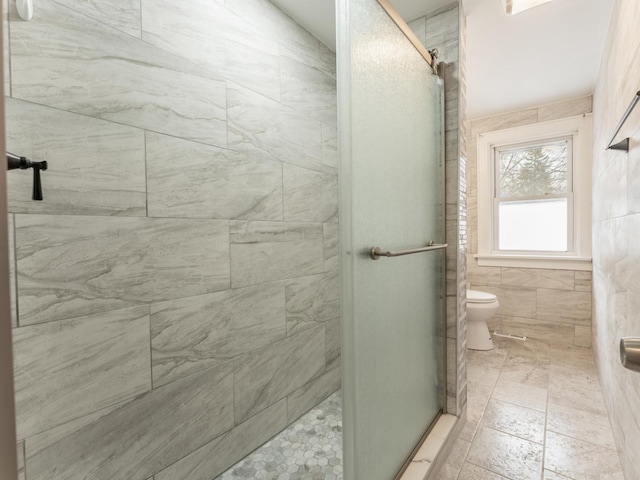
[[66, 60], [123, 15], [330, 246], [312, 300], [473, 472], [267, 251], [264, 128], [267, 375], [143, 436], [70, 266], [12, 271], [580, 459], [519, 394], [20, 448], [308, 396], [308, 90], [330, 157], [581, 425], [191, 334], [95, 167], [216, 456], [191, 180], [333, 342], [539, 278], [519, 421], [208, 33], [576, 306], [67, 369], [309, 196], [506, 455]]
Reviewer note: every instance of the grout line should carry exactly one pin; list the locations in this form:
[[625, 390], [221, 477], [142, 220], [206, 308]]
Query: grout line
[[15, 269], [24, 459], [146, 176]]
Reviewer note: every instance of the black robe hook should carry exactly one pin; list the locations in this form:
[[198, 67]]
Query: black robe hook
[[14, 162]]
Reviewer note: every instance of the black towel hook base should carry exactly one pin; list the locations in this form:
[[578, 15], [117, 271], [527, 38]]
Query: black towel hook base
[[15, 162]]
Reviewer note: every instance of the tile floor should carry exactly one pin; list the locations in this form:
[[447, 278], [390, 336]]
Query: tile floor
[[309, 449], [535, 412]]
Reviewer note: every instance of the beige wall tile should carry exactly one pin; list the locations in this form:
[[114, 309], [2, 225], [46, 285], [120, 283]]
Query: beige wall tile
[[569, 108], [539, 278], [483, 275], [583, 336], [564, 307], [541, 330], [583, 281], [514, 301]]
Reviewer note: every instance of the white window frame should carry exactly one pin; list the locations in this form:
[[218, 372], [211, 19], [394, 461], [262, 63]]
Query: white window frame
[[579, 130]]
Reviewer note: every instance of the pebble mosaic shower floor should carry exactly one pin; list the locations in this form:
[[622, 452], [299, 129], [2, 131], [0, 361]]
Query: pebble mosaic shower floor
[[309, 449]]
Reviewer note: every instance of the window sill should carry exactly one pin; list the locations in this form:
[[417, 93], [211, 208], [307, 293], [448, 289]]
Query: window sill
[[537, 261]]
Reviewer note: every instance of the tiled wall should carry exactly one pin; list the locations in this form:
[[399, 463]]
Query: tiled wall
[[445, 30], [616, 229], [177, 289], [546, 304]]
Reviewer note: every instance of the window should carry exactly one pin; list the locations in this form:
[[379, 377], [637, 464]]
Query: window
[[534, 195]]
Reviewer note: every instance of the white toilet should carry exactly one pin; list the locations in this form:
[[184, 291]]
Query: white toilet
[[481, 306]]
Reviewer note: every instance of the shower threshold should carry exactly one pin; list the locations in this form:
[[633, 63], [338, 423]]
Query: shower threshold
[[309, 449]]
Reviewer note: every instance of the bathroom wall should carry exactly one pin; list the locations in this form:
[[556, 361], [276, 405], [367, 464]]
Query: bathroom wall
[[546, 304], [444, 29], [176, 292], [616, 229]]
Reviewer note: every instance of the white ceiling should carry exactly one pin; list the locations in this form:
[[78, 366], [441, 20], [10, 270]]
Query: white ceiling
[[546, 54]]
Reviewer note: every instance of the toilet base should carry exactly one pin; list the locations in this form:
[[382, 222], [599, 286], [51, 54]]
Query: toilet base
[[478, 336]]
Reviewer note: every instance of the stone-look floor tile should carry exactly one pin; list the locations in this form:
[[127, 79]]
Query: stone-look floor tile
[[455, 460], [309, 196], [312, 300], [539, 278], [308, 396], [266, 129], [482, 375], [579, 398], [514, 420], [506, 455], [330, 246], [572, 357], [531, 352], [586, 378], [57, 56], [69, 368], [549, 475], [308, 90], [230, 447], [74, 265], [267, 375], [267, 251], [123, 15], [581, 460], [333, 342], [581, 425], [330, 148], [576, 306], [209, 182], [145, 435], [493, 358], [208, 33], [195, 333], [525, 374], [310, 449], [95, 167], [473, 472], [522, 395]]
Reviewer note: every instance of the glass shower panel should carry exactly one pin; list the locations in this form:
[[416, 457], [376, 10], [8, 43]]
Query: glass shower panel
[[390, 108]]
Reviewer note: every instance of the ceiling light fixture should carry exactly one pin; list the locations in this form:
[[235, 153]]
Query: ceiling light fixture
[[516, 6]]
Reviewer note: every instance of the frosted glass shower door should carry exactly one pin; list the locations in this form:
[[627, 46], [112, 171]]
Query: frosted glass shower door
[[390, 109]]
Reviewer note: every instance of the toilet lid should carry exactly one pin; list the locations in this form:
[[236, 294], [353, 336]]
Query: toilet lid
[[476, 296]]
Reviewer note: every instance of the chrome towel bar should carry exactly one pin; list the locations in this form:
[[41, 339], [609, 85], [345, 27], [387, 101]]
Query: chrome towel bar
[[376, 252]]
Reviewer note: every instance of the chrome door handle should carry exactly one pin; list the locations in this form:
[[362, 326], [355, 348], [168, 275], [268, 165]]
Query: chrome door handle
[[376, 252], [630, 353]]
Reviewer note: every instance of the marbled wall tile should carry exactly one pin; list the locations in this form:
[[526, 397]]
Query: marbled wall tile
[[539, 329], [502, 121], [514, 301], [309, 196], [266, 129], [12, 272], [95, 167], [265, 376], [143, 436], [67, 369], [20, 448], [333, 341], [224, 451], [330, 246], [6, 57], [57, 57], [312, 300], [308, 396], [330, 158], [208, 33], [538, 277], [266, 251], [582, 336], [442, 27], [576, 306], [322, 58], [195, 333], [192, 180], [70, 266], [483, 275], [123, 15], [569, 108], [308, 90], [419, 27], [583, 281]]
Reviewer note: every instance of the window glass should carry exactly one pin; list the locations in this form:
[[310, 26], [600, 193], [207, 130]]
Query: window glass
[[533, 225]]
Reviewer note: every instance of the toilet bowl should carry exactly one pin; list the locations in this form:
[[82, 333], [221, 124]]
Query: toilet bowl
[[481, 306]]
